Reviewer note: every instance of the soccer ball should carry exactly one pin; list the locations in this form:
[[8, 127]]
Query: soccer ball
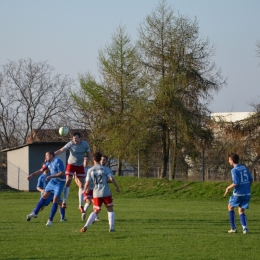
[[63, 130]]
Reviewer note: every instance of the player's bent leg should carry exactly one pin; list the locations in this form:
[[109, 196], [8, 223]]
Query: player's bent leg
[[66, 189], [243, 220], [80, 182], [90, 220]]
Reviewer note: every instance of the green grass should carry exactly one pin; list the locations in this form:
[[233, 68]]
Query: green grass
[[155, 219]]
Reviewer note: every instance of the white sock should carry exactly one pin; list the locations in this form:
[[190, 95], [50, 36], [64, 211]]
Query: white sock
[[111, 219], [66, 193], [81, 197], [91, 219], [86, 206]]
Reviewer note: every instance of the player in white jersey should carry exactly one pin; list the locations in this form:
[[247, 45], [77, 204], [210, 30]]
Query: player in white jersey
[[98, 176], [242, 182], [77, 148]]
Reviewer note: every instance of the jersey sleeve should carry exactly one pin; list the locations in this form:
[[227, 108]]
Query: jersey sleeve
[[60, 166], [44, 167], [235, 176], [108, 172], [88, 178], [67, 146], [87, 148]]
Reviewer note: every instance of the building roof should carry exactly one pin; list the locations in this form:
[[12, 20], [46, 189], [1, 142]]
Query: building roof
[[32, 144], [49, 136]]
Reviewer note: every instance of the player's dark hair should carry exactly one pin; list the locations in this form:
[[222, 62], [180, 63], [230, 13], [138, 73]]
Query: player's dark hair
[[234, 157], [77, 133], [97, 156], [105, 157], [51, 153]]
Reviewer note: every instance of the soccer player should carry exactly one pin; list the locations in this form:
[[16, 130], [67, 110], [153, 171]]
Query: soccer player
[[88, 196], [98, 176], [242, 181], [56, 184], [77, 149], [41, 184], [103, 160]]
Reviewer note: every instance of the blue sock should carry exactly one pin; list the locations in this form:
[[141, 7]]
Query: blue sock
[[40, 204], [232, 218], [62, 213], [243, 220], [53, 211]]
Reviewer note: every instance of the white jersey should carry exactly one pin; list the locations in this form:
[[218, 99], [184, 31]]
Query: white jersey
[[86, 168], [98, 176], [77, 152]]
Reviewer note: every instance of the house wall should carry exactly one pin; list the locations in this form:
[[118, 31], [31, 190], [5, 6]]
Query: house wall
[[22, 162], [17, 168], [37, 157]]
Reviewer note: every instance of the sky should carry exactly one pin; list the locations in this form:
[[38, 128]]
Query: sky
[[68, 34]]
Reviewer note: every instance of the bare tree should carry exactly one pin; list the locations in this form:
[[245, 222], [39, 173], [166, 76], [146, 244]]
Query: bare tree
[[31, 97]]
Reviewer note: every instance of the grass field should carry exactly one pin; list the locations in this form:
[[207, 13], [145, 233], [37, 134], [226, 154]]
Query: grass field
[[155, 219]]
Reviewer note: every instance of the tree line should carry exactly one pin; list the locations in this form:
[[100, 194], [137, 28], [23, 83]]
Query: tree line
[[150, 102]]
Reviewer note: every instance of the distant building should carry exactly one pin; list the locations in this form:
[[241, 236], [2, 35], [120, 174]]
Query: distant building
[[231, 116]]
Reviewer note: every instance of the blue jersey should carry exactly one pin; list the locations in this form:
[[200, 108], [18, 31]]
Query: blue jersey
[[42, 183], [56, 166], [56, 185], [242, 178]]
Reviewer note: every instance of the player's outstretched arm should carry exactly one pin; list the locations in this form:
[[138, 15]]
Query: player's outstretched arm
[[34, 173], [229, 187], [115, 183], [86, 186], [61, 150], [57, 175]]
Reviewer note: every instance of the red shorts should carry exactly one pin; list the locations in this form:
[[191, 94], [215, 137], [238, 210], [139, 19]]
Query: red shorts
[[108, 201], [88, 195], [78, 170]]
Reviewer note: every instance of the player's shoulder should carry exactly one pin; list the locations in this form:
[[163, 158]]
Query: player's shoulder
[[70, 143], [57, 160], [84, 143], [42, 176], [107, 169], [90, 169]]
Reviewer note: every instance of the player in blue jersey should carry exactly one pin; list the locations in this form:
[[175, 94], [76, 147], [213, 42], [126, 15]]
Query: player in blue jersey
[[41, 184], [98, 176], [242, 181], [77, 149], [56, 184]]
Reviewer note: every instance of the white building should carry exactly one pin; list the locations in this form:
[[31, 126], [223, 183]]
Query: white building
[[231, 116]]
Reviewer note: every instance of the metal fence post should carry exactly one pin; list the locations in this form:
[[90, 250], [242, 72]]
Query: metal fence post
[[18, 177]]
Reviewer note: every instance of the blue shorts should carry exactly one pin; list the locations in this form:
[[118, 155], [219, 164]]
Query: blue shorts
[[55, 186], [240, 201], [50, 199]]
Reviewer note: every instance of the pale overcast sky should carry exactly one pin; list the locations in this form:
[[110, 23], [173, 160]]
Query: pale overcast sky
[[68, 34]]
